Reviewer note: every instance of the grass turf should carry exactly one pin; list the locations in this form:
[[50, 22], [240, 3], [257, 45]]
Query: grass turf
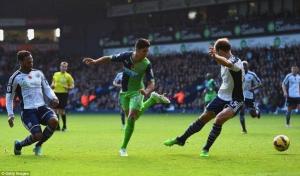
[[91, 144]]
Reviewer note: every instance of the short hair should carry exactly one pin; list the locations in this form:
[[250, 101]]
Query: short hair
[[64, 63], [22, 54], [142, 43], [222, 44]]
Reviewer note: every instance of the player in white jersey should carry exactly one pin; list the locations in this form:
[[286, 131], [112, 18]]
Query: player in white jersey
[[118, 83], [227, 104], [291, 91], [30, 86], [251, 83]]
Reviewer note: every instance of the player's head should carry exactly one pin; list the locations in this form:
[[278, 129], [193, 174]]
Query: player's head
[[25, 59], [246, 66], [208, 76], [63, 66], [222, 47], [295, 69], [142, 48]]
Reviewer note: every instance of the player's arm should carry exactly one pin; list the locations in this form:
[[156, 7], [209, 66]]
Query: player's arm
[[49, 92], [106, 59], [53, 82], [10, 94], [101, 60], [220, 59], [117, 81], [150, 81], [283, 86], [116, 84], [70, 83], [258, 83]]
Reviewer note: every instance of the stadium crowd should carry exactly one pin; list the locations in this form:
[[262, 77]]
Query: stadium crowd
[[180, 76]]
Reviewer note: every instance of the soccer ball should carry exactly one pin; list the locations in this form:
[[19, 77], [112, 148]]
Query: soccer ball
[[281, 143]]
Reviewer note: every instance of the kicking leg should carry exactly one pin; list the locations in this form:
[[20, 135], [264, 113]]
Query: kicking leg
[[192, 129], [47, 133], [242, 120]]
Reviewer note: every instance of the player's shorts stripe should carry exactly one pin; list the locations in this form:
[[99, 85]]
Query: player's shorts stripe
[[34, 126], [46, 114]]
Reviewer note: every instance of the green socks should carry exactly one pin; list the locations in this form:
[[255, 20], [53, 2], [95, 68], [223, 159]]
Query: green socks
[[128, 132], [130, 122]]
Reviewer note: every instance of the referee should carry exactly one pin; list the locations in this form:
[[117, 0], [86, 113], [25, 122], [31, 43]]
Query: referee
[[62, 82]]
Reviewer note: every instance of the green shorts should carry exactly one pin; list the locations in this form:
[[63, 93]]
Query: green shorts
[[131, 100]]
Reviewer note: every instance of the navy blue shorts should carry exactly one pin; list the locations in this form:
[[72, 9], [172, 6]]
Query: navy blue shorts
[[217, 105], [249, 103], [292, 101], [33, 118]]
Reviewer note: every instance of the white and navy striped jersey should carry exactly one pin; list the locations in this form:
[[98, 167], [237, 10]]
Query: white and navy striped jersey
[[30, 88], [292, 82], [118, 78], [232, 81], [251, 80]]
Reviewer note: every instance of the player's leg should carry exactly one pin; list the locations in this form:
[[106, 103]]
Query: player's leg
[[253, 110], [242, 119], [63, 105], [48, 118], [31, 123], [135, 105], [213, 108], [290, 103], [57, 112], [122, 113], [154, 98], [221, 118], [124, 101]]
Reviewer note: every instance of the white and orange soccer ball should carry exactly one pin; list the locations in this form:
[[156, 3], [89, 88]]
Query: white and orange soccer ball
[[281, 143]]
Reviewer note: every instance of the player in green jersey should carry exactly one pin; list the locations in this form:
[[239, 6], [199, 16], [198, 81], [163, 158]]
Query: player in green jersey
[[210, 89], [136, 67]]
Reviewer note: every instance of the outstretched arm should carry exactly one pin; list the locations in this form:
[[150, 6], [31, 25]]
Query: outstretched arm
[[101, 60]]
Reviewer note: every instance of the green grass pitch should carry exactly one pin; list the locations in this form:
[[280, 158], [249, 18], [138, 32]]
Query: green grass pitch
[[91, 145]]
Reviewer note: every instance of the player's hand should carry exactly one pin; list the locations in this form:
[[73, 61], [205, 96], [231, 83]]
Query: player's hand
[[11, 121], [212, 52], [144, 92], [88, 61], [54, 103]]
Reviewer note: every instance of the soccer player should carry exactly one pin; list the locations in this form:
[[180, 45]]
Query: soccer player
[[62, 83], [228, 102], [251, 83], [31, 86], [118, 83], [291, 91], [210, 87], [136, 67]]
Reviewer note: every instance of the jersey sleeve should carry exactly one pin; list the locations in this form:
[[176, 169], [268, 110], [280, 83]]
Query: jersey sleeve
[[237, 64], [10, 94], [46, 88], [119, 57], [149, 73], [257, 81], [118, 78], [54, 78], [286, 80]]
